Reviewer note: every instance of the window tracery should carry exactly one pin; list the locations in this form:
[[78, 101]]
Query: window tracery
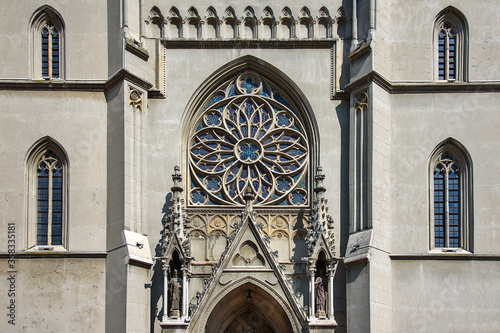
[[446, 203], [47, 195], [249, 136], [50, 200], [451, 198], [47, 44], [451, 45]]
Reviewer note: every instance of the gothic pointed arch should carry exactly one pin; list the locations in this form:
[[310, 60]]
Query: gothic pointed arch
[[451, 45], [451, 197], [193, 24], [174, 24], [211, 23], [249, 304], [249, 24], [248, 125], [230, 29], [47, 179], [268, 23], [47, 44], [155, 23]]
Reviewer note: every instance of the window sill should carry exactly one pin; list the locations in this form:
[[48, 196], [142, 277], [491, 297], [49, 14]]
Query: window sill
[[449, 250], [47, 249]]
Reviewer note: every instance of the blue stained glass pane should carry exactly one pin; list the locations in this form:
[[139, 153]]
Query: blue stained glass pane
[[284, 120], [198, 197], [265, 91], [298, 198], [283, 184], [215, 99]]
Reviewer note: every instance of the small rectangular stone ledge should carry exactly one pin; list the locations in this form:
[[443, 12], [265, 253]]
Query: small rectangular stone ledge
[[358, 247], [360, 50], [322, 325], [133, 48], [138, 250], [174, 325]]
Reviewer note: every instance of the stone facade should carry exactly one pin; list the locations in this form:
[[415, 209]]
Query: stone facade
[[263, 151]]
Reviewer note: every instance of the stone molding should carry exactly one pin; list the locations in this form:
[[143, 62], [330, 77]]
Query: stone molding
[[399, 87], [291, 43], [445, 256], [55, 255]]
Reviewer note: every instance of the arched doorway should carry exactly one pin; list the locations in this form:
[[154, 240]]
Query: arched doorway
[[248, 308]]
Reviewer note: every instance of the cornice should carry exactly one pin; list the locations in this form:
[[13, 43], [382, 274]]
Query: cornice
[[125, 75], [235, 211], [446, 256], [249, 43], [42, 85], [396, 87], [54, 255], [75, 85]]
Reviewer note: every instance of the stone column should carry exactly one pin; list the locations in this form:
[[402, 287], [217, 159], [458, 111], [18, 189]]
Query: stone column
[[312, 300], [331, 273], [166, 272], [184, 313]]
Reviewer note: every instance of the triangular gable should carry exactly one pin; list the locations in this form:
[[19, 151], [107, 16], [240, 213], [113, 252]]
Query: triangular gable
[[173, 243], [248, 251], [322, 245]]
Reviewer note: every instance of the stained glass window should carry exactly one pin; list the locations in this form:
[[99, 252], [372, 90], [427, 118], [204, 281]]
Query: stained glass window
[[447, 203], [249, 135], [50, 51], [50, 200]]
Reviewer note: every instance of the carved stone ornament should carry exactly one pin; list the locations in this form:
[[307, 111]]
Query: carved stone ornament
[[361, 101], [135, 99], [249, 136]]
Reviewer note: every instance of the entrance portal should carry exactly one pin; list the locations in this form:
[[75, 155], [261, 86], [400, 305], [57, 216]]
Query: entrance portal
[[248, 308]]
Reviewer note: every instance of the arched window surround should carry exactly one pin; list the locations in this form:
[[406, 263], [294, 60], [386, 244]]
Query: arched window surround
[[255, 65], [451, 153], [450, 20], [46, 149], [47, 18]]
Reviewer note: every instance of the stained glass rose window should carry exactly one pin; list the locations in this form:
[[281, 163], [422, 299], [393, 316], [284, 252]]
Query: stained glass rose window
[[248, 136]]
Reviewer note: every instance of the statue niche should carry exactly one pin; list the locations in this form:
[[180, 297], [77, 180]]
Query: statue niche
[[175, 291], [320, 287]]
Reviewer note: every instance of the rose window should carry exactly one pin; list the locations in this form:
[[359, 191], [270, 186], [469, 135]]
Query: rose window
[[248, 136]]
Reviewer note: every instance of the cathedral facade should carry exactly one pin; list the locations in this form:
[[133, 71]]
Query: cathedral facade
[[250, 167]]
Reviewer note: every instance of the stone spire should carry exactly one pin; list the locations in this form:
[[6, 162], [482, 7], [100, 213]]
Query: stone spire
[[177, 221]]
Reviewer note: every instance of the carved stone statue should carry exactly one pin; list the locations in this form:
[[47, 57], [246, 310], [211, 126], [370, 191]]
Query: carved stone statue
[[175, 291], [320, 297]]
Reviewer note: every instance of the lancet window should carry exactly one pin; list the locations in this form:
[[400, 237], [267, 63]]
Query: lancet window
[[451, 198]]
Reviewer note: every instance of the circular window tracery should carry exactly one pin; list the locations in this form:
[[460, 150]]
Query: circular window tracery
[[248, 136]]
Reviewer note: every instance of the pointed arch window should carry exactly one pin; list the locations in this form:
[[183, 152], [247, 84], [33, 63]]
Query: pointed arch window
[[50, 200], [50, 51], [451, 199], [47, 181], [47, 44], [451, 35]]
